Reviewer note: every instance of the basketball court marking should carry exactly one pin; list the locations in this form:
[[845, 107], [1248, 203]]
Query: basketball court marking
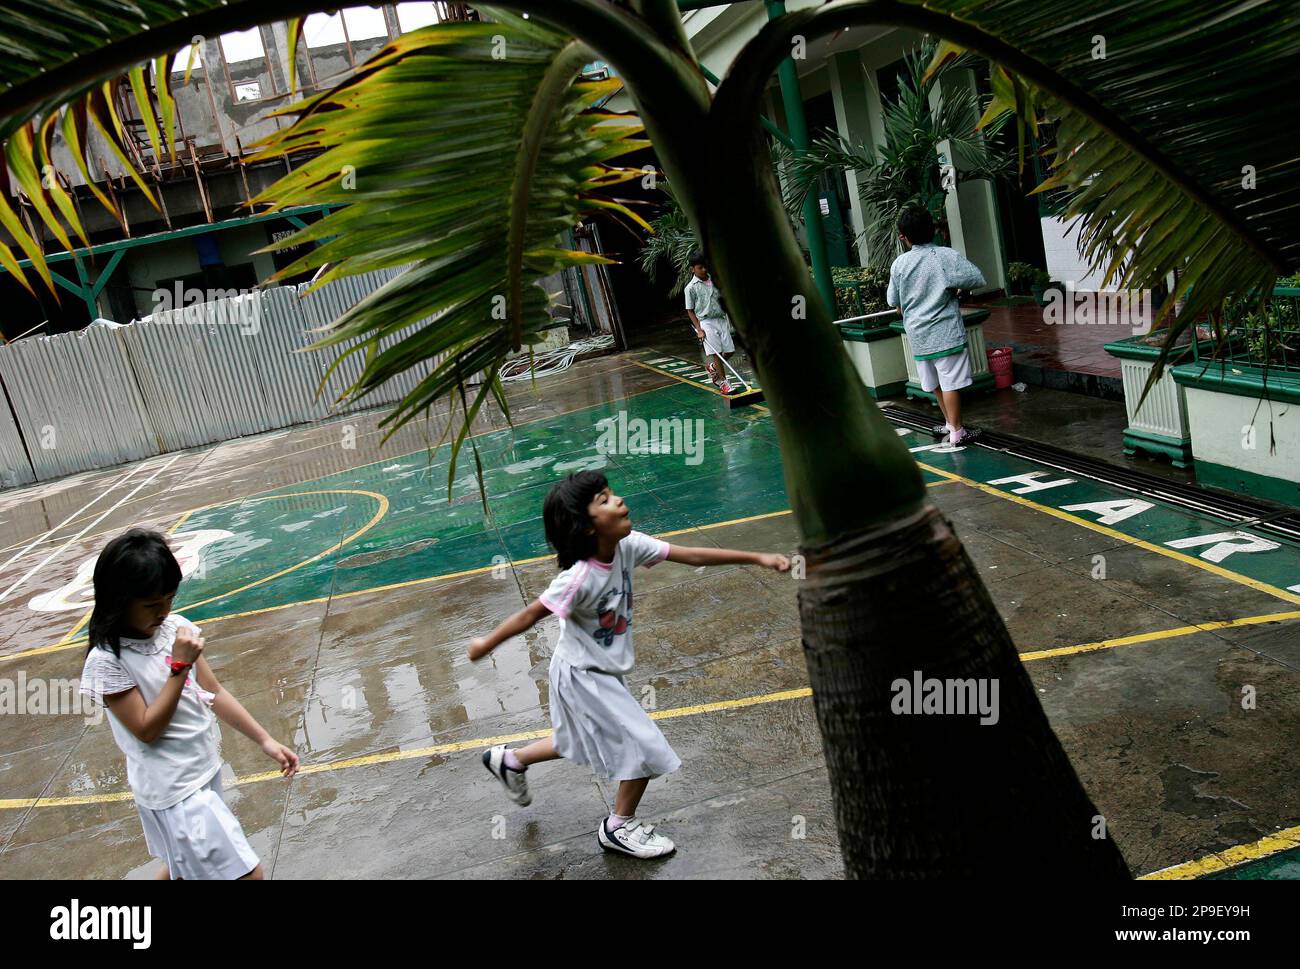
[[325, 423], [693, 382], [1127, 539], [46, 561], [1286, 840], [380, 513], [702, 708], [1244, 853], [48, 533]]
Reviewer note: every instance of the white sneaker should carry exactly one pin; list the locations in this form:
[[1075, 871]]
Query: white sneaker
[[514, 781], [634, 838]]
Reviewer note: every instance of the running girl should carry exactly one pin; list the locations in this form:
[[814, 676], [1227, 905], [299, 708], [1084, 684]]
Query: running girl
[[596, 720], [146, 664]]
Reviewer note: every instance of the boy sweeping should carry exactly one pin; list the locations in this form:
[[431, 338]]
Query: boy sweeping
[[709, 319], [923, 283]]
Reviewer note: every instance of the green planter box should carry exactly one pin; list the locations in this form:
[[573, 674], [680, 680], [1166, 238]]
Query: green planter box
[[1231, 424], [982, 378], [877, 354], [1159, 426]]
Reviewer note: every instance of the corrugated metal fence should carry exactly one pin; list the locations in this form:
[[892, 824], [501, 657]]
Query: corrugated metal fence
[[181, 378]]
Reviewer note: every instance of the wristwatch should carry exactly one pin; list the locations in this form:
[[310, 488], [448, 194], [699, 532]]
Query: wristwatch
[[179, 667]]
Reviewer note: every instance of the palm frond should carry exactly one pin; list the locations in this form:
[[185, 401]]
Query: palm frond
[[673, 239], [1183, 159], [461, 150], [904, 170]]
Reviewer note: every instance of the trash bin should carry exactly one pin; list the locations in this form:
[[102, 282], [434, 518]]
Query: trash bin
[[1000, 367]]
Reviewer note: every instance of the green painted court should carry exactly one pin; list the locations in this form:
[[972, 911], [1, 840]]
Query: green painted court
[[324, 563]]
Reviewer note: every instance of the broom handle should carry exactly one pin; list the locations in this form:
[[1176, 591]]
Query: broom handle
[[709, 348]]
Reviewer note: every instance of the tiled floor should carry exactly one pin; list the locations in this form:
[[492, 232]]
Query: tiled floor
[[1072, 347]]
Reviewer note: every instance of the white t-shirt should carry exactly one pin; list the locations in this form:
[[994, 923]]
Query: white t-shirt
[[594, 603], [188, 753], [704, 299]]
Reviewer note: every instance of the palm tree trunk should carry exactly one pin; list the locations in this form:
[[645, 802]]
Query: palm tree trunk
[[888, 588], [925, 795]]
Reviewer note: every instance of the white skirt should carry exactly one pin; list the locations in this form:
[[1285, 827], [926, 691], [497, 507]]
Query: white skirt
[[717, 336], [598, 722], [199, 838]]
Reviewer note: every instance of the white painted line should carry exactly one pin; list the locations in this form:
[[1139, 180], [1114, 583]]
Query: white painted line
[[44, 535], [45, 561]]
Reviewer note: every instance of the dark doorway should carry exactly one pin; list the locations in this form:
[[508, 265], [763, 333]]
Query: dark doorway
[[1018, 212]]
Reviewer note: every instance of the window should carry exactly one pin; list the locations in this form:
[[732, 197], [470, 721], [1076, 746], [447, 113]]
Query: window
[[323, 30], [248, 91], [363, 23], [243, 45], [413, 16], [181, 59]]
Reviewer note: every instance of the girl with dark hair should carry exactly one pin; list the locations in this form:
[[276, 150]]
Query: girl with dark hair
[[596, 720], [145, 664]]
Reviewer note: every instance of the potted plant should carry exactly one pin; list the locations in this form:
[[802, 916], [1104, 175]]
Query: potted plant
[[875, 349], [1020, 276], [1241, 395], [1038, 283]]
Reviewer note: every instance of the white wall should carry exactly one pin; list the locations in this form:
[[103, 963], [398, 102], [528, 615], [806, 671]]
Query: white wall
[[1061, 243]]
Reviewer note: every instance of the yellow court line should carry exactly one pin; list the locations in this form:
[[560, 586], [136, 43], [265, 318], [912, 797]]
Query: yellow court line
[[1203, 627], [739, 703], [689, 383], [383, 510], [1272, 844], [1127, 539], [67, 642], [434, 751], [693, 383]]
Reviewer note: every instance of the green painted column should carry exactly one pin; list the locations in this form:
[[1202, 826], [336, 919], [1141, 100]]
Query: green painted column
[[792, 100]]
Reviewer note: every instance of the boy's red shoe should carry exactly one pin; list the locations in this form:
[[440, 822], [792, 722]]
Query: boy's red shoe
[[725, 388]]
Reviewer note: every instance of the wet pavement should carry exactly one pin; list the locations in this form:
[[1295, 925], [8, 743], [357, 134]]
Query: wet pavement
[[340, 584]]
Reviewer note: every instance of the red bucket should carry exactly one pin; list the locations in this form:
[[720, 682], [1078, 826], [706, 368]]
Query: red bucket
[[1000, 367]]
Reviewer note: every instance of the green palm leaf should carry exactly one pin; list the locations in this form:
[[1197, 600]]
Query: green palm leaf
[[462, 150], [1158, 177], [904, 169]]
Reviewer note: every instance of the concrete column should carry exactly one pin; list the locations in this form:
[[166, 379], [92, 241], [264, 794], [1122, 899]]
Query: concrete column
[[275, 39], [852, 100], [971, 207]]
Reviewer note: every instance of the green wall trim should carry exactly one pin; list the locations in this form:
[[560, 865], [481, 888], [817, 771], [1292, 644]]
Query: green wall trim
[[1239, 379], [1134, 348], [887, 390], [1248, 482], [852, 334], [1179, 451]]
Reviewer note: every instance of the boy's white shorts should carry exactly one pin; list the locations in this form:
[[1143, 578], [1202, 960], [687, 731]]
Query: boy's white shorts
[[718, 334], [950, 373]]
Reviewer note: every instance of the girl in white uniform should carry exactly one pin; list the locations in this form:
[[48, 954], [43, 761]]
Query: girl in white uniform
[[596, 720], [146, 665]]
